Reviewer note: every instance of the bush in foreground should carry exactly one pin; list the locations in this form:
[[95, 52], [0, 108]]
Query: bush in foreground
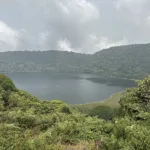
[[27, 123]]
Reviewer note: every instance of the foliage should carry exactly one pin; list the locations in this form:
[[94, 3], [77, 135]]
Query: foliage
[[6, 87], [112, 102], [6, 83], [131, 61], [103, 112], [136, 101], [27, 123]]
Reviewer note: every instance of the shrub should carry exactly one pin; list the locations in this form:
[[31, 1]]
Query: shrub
[[103, 112], [7, 83]]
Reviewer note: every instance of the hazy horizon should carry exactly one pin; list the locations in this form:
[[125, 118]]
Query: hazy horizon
[[59, 50]]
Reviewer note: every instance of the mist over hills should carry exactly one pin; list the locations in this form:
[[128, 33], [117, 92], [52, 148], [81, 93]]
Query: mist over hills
[[130, 61]]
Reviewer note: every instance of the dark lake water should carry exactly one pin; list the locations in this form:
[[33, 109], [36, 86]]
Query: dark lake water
[[71, 88]]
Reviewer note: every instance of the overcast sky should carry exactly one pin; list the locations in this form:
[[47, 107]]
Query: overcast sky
[[83, 26]]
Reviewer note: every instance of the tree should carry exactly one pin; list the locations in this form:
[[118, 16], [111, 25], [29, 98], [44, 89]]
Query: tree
[[7, 83], [136, 101]]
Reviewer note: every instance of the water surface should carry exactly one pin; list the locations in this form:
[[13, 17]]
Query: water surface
[[71, 88]]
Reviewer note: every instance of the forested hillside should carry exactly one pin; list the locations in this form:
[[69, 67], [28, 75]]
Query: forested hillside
[[130, 61], [27, 123], [30, 61]]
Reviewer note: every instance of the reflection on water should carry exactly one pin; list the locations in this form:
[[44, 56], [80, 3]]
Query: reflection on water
[[72, 88]]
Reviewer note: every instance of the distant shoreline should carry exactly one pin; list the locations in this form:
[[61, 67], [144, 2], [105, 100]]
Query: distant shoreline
[[70, 72], [112, 102], [114, 94]]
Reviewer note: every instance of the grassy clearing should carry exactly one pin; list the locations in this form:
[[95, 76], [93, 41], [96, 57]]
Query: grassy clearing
[[112, 102]]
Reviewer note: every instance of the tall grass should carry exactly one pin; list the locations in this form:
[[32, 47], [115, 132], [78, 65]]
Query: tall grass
[[112, 102]]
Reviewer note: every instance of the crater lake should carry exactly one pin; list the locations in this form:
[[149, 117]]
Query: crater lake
[[69, 87]]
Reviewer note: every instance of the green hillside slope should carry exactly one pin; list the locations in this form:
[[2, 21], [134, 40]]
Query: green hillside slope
[[27, 123], [131, 61], [112, 102]]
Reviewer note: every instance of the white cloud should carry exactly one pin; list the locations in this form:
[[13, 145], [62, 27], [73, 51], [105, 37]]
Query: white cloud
[[9, 38], [75, 25], [87, 9], [64, 45], [104, 42], [43, 38], [148, 21], [134, 6], [133, 11], [83, 10], [63, 7]]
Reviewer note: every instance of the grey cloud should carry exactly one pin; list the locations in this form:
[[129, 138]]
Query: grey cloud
[[78, 25]]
